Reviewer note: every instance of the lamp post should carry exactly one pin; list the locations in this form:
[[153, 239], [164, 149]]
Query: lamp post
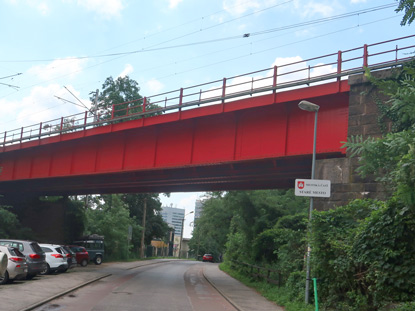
[[307, 106], [181, 233]]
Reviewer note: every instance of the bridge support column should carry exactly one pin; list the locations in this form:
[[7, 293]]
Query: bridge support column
[[347, 185]]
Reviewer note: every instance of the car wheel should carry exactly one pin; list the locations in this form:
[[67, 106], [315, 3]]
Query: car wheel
[[46, 270], [4, 279], [98, 260], [84, 262]]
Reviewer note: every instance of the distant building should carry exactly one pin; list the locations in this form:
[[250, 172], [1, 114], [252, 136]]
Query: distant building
[[198, 209], [173, 216]]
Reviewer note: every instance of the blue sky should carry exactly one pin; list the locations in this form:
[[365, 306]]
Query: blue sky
[[61, 45]]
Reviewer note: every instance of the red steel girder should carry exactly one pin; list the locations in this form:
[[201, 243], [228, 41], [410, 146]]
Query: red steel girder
[[256, 129]]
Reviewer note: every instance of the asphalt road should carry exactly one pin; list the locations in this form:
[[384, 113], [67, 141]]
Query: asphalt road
[[178, 285], [160, 284]]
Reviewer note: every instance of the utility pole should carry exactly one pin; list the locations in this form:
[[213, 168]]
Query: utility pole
[[144, 229]]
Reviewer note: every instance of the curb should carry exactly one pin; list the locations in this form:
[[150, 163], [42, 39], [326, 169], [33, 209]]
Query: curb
[[234, 304]]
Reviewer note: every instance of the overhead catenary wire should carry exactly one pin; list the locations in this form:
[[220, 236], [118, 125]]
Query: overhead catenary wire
[[244, 35]]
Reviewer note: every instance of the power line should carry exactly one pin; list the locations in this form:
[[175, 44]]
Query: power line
[[245, 35], [150, 49], [16, 74], [276, 47]]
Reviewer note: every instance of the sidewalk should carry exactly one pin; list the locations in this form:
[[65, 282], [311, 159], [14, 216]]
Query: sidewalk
[[240, 296]]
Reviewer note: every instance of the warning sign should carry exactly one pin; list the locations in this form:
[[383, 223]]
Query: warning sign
[[312, 188]]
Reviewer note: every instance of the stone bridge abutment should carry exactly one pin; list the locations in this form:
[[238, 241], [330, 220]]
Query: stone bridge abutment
[[347, 184]]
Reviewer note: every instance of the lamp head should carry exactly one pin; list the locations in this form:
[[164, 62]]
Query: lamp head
[[308, 106]]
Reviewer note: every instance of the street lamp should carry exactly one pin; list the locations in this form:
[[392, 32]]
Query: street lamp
[[181, 233], [307, 106]]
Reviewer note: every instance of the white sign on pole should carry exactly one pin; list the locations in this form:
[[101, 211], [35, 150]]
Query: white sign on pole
[[312, 188]]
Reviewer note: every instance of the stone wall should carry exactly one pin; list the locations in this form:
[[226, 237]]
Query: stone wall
[[347, 185]]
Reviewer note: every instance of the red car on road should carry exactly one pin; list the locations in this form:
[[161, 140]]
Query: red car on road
[[81, 254], [207, 257]]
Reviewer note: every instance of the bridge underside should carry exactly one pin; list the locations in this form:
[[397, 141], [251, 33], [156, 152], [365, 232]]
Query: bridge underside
[[249, 175], [258, 142]]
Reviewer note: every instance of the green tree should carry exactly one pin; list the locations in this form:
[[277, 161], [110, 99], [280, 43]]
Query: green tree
[[110, 217], [119, 98], [10, 226], [211, 229], [408, 6]]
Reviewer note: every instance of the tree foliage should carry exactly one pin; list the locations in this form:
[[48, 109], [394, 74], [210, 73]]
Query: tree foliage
[[211, 230], [408, 6], [10, 226], [364, 252], [111, 215], [110, 218], [119, 98], [264, 226]]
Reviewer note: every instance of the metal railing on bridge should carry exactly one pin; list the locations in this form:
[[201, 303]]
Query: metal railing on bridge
[[301, 73]]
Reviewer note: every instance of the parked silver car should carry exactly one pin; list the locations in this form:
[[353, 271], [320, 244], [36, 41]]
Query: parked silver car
[[56, 260], [35, 257], [16, 265]]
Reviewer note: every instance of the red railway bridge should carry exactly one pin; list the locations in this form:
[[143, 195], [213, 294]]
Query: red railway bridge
[[243, 132]]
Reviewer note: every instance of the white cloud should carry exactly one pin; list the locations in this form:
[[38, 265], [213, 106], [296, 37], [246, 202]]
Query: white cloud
[[174, 3], [154, 86], [313, 8], [105, 8], [40, 105], [41, 6], [310, 8], [127, 70], [58, 68], [357, 1], [238, 7]]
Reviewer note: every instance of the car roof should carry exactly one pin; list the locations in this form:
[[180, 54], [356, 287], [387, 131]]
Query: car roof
[[15, 240], [50, 245]]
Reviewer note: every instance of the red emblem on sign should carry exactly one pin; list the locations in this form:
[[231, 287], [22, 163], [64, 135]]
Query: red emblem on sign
[[300, 184]]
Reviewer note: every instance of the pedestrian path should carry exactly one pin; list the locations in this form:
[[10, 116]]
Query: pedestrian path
[[238, 294]]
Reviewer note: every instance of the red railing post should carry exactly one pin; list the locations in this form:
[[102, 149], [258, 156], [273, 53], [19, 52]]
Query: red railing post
[[85, 119], [144, 104], [112, 112], [5, 137], [339, 64], [21, 134], [181, 99], [61, 124], [365, 56], [274, 83], [274, 79], [223, 90], [40, 129], [396, 54]]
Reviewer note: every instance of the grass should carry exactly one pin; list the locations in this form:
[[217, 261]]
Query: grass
[[278, 295]]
